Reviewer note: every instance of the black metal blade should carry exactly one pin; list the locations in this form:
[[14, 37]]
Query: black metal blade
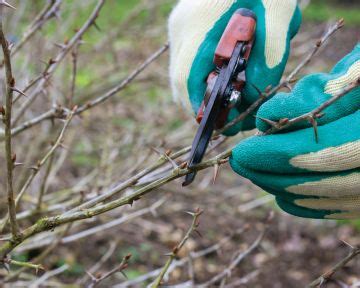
[[212, 111]]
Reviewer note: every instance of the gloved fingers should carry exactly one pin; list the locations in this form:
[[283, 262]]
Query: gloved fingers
[[298, 152], [306, 185], [247, 124], [314, 90], [296, 210], [195, 28], [278, 24], [318, 212]]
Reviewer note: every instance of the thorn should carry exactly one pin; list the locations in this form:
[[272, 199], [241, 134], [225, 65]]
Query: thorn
[[198, 233], [18, 91], [190, 213], [13, 158], [168, 254], [347, 244], [257, 89], [283, 122], [341, 23], [288, 86], [123, 273], [17, 164], [269, 122], [268, 89], [97, 26], [314, 123], [183, 165], [216, 172], [60, 45], [4, 3], [320, 115]]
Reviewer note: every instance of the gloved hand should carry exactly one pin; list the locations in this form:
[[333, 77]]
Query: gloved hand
[[195, 28], [309, 179]]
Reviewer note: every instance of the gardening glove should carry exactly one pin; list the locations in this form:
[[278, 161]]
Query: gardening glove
[[195, 28], [310, 179]]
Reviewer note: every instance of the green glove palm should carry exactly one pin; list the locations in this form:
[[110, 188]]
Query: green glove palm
[[195, 28], [309, 179]]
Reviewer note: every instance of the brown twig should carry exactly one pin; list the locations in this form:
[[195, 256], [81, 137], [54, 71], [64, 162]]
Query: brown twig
[[60, 112], [120, 268], [288, 80], [54, 63], [10, 157], [38, 166], [238, 259], [47, 13], [177, 248], [313, 115], [355, 251]]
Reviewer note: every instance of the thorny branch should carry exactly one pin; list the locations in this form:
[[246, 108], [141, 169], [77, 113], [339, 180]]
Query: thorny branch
[[60, 112], [222, 277], [39, 165], [82, 213], [49, 11], [120, 268], [311, 116], [177, 248], [7, 114], [98, 205], [55, 62], [288, 80], [355, 251]]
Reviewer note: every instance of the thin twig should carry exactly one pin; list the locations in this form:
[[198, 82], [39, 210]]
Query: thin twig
[[39, 165], [313, 115], [55, 62], [175, 251], [47, 13], [60, 112], [239, 258], [120, 268], [10, 157], [288, 80], [355, 251]]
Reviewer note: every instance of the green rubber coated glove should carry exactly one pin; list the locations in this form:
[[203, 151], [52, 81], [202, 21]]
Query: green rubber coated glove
[[195, 28], [309, 179]]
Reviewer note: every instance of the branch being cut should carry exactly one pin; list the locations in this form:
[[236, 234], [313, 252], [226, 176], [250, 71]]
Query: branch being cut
[[313, 115], [288, 80]]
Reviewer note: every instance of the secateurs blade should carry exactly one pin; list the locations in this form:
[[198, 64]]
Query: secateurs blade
[[225, 84]]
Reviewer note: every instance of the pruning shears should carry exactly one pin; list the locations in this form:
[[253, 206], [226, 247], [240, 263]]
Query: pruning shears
[[225, 84]]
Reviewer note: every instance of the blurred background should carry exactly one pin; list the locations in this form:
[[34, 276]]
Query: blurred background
[[111, 142]]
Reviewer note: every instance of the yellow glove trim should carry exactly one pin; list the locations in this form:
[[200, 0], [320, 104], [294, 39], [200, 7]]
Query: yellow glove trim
[[344, 215], [346, 203], [337, 186], [189, 23], [335, 86], [278, 17], [333, 159]]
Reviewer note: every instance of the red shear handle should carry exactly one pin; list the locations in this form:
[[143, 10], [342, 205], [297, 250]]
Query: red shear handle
[[241, 28]]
